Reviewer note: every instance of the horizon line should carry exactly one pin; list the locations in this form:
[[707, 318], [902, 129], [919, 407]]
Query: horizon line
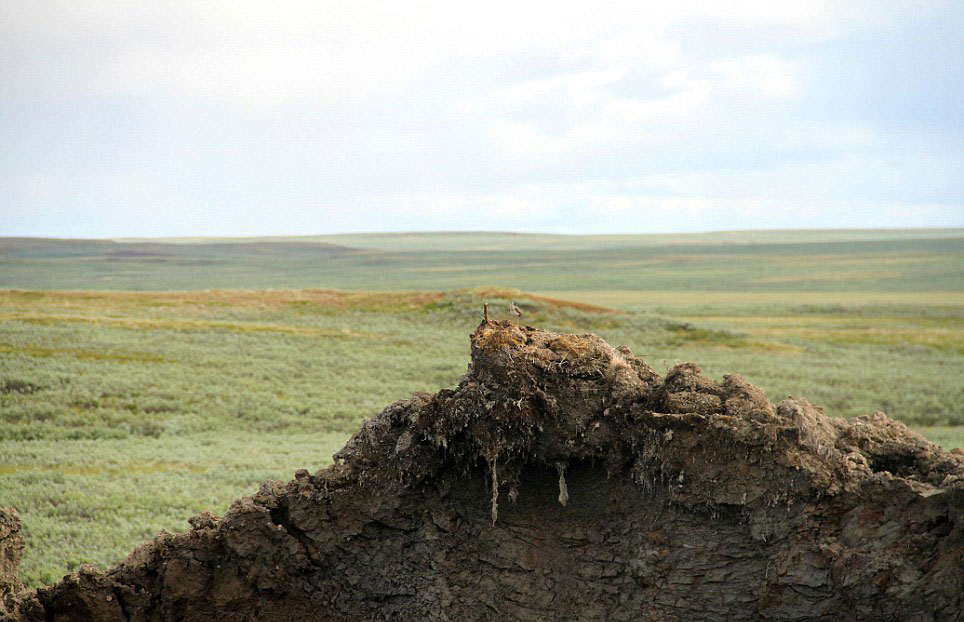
[[481, 232]]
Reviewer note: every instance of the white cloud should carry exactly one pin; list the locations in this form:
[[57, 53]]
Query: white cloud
[[82, 204], [838, 136], [580, 87], [261, 54], [129, 114], [703, 99], [768, 76]]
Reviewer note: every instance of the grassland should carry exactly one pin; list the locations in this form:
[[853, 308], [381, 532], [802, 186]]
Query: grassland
[[124, 412], [92, 501], [768, 262]]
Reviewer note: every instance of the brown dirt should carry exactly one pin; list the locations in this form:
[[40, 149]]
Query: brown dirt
[[11, 552], [488, 293], [565, 479]]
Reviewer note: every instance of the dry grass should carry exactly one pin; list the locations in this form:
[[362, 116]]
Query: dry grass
[[831, 277], [120, 356], [941, 333], [490, 293], [201, 300], [178, 325], [626, 298]]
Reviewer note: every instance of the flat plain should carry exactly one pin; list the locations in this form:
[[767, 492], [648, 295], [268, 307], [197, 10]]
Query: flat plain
[[142, 381]]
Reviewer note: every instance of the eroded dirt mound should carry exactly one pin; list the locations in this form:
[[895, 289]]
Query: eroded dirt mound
[[11, 551], [565, 479]]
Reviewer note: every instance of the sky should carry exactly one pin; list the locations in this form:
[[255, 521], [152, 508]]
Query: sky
[[297, 118]]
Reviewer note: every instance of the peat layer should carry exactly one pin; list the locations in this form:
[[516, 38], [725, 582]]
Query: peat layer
[[564, 479]]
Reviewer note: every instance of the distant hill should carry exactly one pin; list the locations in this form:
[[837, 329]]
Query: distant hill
[[507, 240], [782, 260]]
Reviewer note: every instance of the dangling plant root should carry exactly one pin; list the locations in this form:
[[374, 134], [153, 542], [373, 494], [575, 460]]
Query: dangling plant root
[[563, 489], [495, 491]]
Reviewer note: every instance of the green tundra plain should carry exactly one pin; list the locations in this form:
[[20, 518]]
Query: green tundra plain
[[142, 381]]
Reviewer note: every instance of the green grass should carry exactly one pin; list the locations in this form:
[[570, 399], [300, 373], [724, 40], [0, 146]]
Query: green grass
[[92, 501], [948, 436], [125, 412]]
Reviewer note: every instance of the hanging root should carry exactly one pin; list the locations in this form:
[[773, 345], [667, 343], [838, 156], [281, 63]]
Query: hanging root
[[495, 492], [563, 489]]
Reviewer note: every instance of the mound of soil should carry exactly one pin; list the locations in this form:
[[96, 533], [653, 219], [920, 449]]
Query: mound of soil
[[565, 479], [11, 552]]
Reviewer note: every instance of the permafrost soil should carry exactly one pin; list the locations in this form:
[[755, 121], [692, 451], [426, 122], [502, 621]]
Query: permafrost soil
[[564, 479]]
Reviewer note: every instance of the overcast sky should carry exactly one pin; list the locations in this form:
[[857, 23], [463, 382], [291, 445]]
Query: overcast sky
[[235, 118]]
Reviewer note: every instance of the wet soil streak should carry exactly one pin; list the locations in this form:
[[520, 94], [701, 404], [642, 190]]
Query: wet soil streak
[[627, 496]]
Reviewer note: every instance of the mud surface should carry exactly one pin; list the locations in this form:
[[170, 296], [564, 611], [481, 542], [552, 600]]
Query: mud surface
[[565, 479], [11, 552]]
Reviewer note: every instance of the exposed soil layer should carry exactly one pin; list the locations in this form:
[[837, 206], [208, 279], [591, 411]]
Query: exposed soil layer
[[11, 552], [565, 479]]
